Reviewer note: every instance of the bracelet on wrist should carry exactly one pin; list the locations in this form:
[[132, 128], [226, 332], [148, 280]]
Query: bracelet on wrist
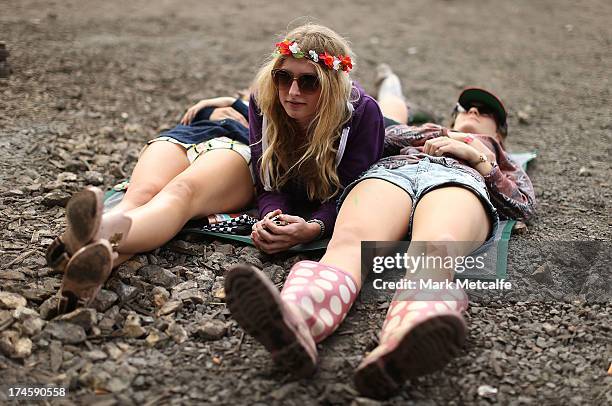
[[321, 224], [482, 158]]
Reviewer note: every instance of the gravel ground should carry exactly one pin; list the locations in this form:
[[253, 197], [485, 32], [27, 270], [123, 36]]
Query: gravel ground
[[92, 81]]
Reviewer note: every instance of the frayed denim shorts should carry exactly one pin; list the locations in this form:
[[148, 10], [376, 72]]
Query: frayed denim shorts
[[419, 178]]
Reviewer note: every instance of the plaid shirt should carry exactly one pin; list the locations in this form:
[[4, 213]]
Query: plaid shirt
[[510, 189]]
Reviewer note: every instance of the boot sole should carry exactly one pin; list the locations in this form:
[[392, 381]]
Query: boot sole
[[256, 305], [426, 348], [85, 274]]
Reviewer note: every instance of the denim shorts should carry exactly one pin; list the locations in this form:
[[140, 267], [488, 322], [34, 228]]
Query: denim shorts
[[419, 178]]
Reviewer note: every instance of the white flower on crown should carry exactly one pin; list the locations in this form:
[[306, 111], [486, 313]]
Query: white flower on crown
[[336, 63], [313, 56], [294, 48]]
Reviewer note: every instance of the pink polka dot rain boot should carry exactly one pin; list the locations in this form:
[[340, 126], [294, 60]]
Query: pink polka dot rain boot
[[313, 303], [422, 332]]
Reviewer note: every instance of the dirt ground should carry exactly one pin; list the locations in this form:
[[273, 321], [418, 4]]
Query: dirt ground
[[92, 81]]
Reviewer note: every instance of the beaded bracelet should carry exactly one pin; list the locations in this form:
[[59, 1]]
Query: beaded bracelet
[[321, 224]]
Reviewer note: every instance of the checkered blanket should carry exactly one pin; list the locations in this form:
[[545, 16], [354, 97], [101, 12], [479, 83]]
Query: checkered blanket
[[241, 225]]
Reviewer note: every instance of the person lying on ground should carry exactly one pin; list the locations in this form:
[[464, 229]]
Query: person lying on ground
[[441, 188]]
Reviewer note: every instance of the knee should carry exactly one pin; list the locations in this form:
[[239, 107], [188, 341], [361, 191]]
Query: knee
[[440, 244], [181, 190], [141, 194]]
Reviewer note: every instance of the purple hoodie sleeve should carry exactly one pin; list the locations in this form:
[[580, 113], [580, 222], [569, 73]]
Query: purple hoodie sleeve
[[363, 148], [267, 201]]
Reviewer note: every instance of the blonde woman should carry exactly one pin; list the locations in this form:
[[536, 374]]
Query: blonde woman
[[313, 131]]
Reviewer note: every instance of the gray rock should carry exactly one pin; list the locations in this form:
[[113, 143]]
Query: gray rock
[[541, 342], [12, 275], [93, 178], [110, 319], [160, 296], [584, 171], [104, 300], [191, 295], [75, 165], [48, 309], [53, 185], [155, 336], [56, 198], [253, 260], [218, 289], [184, 247], [132, 327], [177, 333], [95, 355], [14, 346], [276, 273], [6, 317], [225, 249], [55, 355], [128, 269], [125, 292], [211, 330], [543, 273], [284, 391], [67, 177], [9, 300], [30, 321], [67, 333], [84, 317], [170, 307], [205, 279], [188, 285], [24, 313], [158, 276], [487, 391]]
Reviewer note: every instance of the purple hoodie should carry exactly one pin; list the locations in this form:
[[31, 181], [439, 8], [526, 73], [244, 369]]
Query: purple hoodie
[[362, 147]]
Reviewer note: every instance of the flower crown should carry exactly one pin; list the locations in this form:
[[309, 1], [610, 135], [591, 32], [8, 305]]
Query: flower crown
[[291, 48]]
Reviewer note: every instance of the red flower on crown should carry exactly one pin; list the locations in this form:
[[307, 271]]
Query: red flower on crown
[[346, 63], [327, 59], [283, 47]]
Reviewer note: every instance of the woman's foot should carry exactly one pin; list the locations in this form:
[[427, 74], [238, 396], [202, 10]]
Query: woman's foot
[[85, 274], [256, 305], [417, 338], [83, 217], [388, 83], [85, 223]]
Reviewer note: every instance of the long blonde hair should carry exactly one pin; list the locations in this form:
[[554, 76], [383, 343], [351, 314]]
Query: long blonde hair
[[287, 156]]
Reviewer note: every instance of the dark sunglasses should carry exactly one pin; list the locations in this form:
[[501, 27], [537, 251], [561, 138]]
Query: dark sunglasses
[[483, 110], [283, 79]]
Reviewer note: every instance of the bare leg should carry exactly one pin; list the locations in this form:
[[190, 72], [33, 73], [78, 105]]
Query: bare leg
[[374, 210], [159, 163], [420, 336], [449, 214], [394, 108], [218, 181]]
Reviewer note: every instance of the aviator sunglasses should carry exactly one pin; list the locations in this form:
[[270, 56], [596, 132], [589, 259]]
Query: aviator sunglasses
[[283, 79]]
